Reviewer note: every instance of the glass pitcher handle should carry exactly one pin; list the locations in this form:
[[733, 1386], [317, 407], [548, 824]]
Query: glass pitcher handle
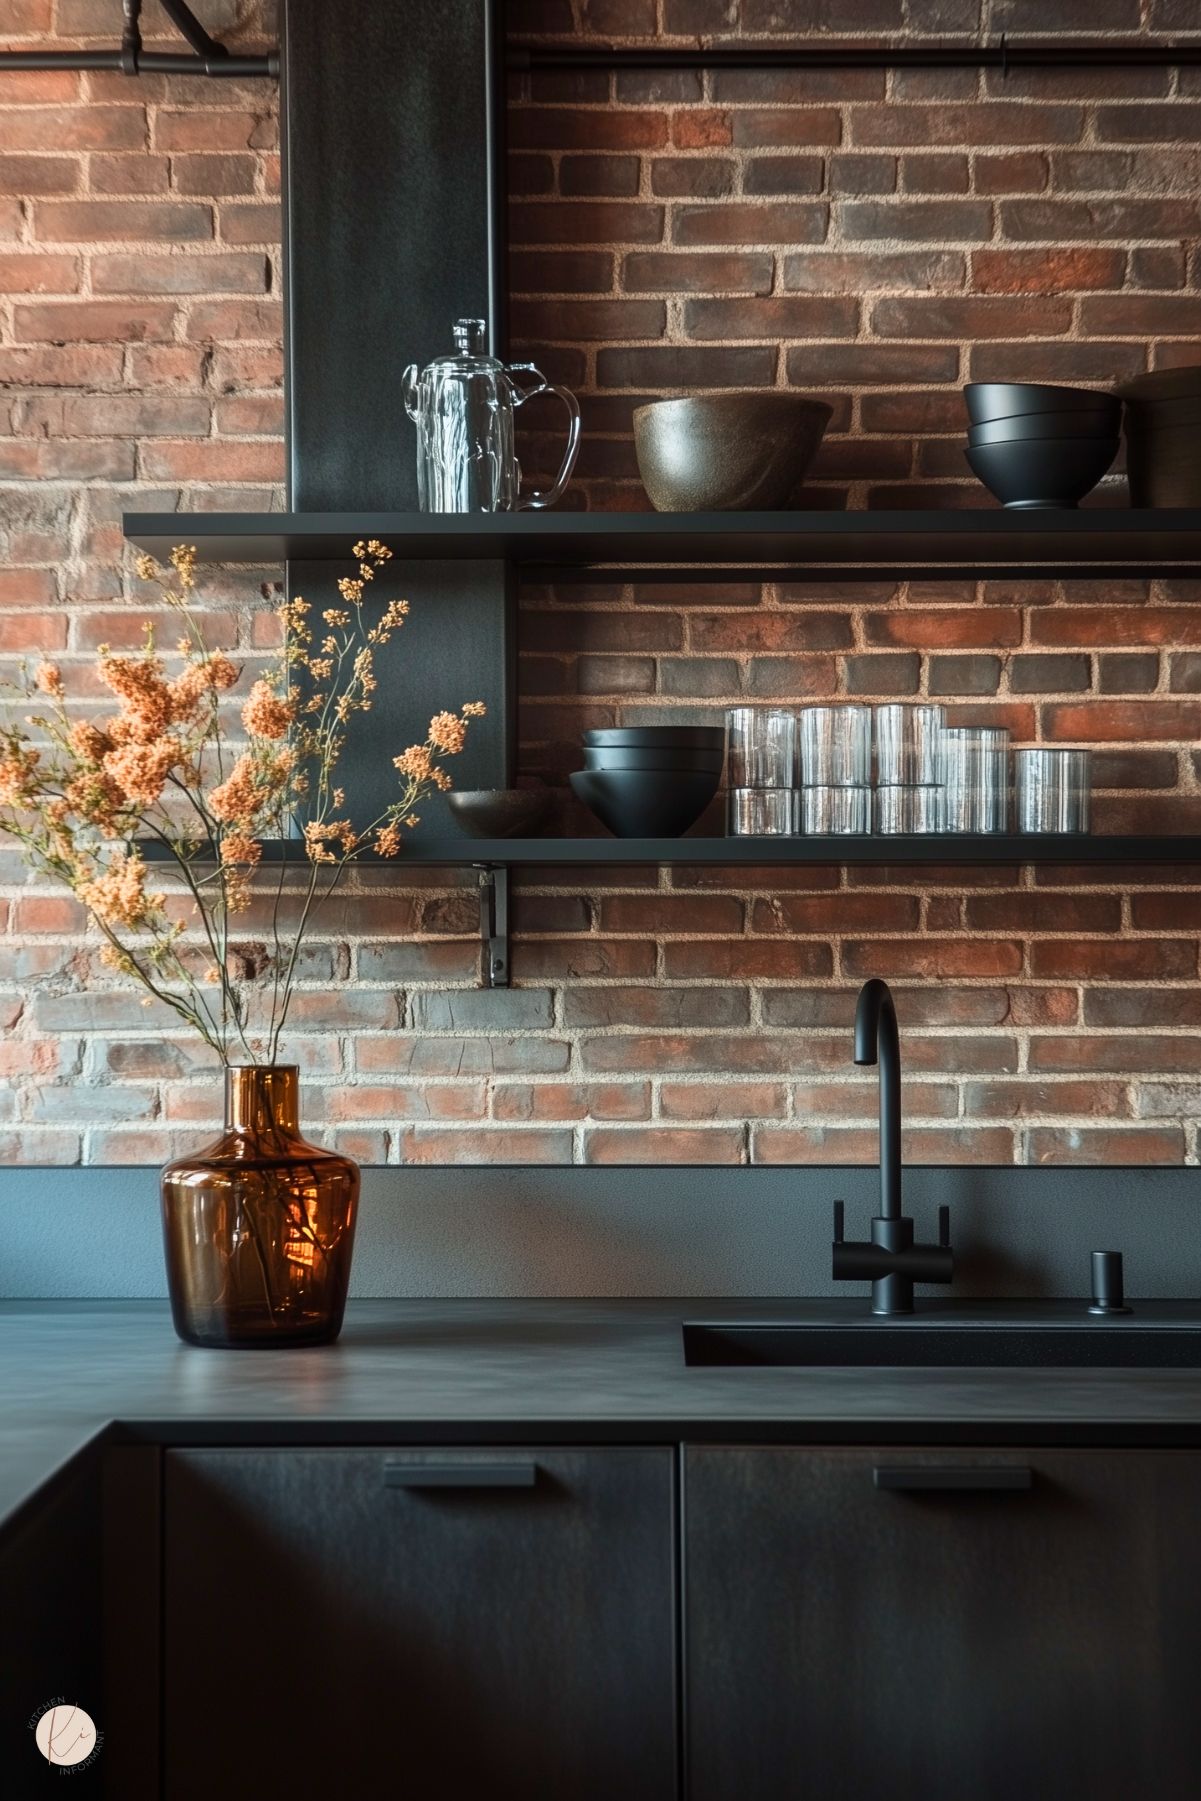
[[532, 502]]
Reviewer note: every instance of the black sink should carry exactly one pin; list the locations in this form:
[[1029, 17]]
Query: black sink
[[867, 1344]]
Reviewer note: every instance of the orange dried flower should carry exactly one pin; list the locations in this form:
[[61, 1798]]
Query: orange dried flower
[[96, 798], [48, 680], [239, 796], [117, 894], [145, 698], [17, 770], [388, 839], [88, 741], [141, 769], [414, 762], [265, 714]]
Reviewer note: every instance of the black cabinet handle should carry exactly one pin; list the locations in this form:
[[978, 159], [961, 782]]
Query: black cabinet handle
[[460, 1475], [913, 1478]]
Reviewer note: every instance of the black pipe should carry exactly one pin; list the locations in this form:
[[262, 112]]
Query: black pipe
[[149, 62], [190, 28], [522, 57]]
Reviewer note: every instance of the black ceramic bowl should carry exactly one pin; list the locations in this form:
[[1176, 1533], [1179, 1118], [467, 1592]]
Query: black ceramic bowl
[[1006, 399], [499, 812], [657, 737], [683, 760], [1165, 384], [645, 804], [1044, 472], [1043, 425], [716, 452]]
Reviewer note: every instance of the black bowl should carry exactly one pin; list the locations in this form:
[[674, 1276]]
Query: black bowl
[[1028, 426], [500, 812], [1044, 472], [643, 804], [1165, 384], [1005, 399], [670, 761], [657, 737], [1158, 415]]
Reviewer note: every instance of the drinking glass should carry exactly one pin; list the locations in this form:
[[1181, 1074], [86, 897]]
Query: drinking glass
[[836, 810], [909, 809], [761, 812], [977, 779], [836, 746], [909, 748], [1054, 790], [760, 747]]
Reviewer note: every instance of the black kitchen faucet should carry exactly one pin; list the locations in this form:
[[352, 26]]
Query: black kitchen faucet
[[890, 1261]]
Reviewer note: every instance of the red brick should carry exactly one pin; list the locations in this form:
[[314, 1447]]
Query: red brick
[[615, 177], [861, 1100], [1120, 960], [701, 129], [830, 914], [24, 272], [484, 1144], [537, 1102], [110, 221], [1116, 721], [727, 960], [561, 272], [770, 631], [115, 321], [942, 174], [198, 128], [918, 221], [677, 272], [723, 1100], [780, 317], [970, 319], [551, 128], [212, 460], [995, 122], [779, 128], [128, 172], [832, 1144], [235, 319], [664, 1144], [594, 222], [932, 957], [1015, 172], [1023, 1099], [748, 222], [62, 128], [1117, 1052], [686, 367], [1059, 221], [33, 175], [1123, 1145], [1030, 912], [820, 365], [1046, 271], [546, 321], [946, 627]]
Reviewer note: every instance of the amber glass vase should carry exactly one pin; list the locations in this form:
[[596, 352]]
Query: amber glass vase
[[259, 1225]]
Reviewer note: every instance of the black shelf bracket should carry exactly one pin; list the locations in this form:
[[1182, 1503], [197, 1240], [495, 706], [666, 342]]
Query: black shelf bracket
[[207, 55], [494, 924]]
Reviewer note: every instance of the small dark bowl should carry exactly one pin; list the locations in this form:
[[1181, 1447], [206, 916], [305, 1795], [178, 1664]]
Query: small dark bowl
[[500, 812], [987, 400], [1030, 426], [1046, 472], [635, 804], [1158, 415], [657, 737], [726, 452], [1164, 384], [669, 761]]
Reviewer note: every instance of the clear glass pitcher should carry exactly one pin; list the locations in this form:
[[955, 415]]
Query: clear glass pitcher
[[463, 407]]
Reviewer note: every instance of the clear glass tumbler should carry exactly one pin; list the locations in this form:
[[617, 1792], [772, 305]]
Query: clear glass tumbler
[[909, 747], [761, 748], [1054, 790], [977, 779], [909, 809], [761, 812], [836, 746], [836, 810]]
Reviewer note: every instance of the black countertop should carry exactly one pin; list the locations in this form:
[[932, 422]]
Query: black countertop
[[538, 1371]]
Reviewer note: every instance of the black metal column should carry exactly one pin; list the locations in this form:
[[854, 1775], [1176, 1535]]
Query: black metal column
[[392, 230]]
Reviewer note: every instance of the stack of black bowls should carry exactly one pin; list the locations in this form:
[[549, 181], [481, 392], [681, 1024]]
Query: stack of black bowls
[[1033, 445], [650, 781]]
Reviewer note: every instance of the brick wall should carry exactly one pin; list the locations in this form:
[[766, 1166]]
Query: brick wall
[[875, 238]]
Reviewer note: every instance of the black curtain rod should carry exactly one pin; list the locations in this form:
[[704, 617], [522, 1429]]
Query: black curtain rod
[[147, 62], [1003, 56]]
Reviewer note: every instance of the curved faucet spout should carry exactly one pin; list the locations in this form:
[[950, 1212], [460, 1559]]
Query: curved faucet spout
[[878, 1041]]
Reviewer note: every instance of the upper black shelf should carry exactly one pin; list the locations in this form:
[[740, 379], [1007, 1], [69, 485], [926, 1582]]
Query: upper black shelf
[[839, 546], [758, 853]]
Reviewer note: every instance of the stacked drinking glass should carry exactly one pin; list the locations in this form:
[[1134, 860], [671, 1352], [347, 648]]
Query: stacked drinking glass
[[836, 769], [761, 772], [910, 772], [977, 778]]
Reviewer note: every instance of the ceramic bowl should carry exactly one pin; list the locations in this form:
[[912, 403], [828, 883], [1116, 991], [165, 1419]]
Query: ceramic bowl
[[1042, 472], [656, 737], [644, 803], [1006, 399], [1043, 425], [690, 762], [500, 812], [1164, 384], [726, 452]]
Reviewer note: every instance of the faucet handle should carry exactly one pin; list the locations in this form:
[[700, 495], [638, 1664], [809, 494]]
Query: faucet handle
[[944, 1227], [839, 1222]]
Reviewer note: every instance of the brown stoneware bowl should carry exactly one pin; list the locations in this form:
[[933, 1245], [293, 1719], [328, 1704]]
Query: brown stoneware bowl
[[500, 812], [716, 453]]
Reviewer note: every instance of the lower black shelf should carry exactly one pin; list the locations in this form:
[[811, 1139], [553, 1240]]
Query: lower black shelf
[[940, 848]]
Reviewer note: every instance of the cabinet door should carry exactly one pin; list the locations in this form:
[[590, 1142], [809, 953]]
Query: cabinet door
[[428, 1624], [845, 1640]]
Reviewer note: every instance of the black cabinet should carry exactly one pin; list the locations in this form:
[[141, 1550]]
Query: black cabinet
[[453, 1624], [890, 1624]]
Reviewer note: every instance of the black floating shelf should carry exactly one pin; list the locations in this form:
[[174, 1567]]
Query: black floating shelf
[[940, 848], [837, 546]]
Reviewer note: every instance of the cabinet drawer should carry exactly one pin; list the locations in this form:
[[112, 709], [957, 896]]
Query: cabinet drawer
[[441, 1623], [943, 1624]]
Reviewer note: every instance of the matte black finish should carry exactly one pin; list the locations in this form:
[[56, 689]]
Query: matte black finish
[[390, 233], [969, 1478], [891, 1262], [499, 812], [444, 1642], [1108, 1288], [993, 400], [764, 853], [1043, 474], [634, 801], [987, 1344], [805, 54], [418, 1474], [847, 1643], [574, 545]]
